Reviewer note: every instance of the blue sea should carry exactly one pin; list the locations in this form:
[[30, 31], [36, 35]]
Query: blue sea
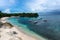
[[45, 26]]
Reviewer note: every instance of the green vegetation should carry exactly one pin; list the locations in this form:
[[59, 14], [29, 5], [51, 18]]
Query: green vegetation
[[19, 14]]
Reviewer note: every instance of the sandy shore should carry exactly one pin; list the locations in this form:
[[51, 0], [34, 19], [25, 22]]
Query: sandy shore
[[14, 33]]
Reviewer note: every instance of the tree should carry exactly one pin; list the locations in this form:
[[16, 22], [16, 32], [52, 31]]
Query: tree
[[19, 14]]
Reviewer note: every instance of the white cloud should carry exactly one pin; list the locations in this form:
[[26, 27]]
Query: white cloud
[[5, 5], [43, 5], [7, 11]]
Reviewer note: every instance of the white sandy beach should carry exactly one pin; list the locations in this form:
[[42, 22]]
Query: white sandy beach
[[13, 33]]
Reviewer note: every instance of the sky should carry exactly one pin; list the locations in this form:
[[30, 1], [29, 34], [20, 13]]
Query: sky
[[9, 6]]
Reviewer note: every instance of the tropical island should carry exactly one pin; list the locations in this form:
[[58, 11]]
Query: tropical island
[[18, 14]]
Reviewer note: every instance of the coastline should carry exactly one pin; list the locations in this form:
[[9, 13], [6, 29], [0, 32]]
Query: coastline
[[32, 34], [21, 33]]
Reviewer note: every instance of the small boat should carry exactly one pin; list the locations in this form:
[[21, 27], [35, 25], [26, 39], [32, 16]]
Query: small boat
[[35, 22], [44, 20]]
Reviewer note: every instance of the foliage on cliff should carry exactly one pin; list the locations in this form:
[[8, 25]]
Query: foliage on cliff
[[18, 14]]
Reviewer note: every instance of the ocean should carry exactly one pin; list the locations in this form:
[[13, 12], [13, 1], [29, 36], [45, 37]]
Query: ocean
[[45, 26]]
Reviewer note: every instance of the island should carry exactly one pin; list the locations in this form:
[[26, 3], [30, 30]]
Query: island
[[18, 14]]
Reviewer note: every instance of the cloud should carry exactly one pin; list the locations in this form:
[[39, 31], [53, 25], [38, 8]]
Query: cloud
[[29, 6], [43, 5], [5, 5], [7, 11]]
